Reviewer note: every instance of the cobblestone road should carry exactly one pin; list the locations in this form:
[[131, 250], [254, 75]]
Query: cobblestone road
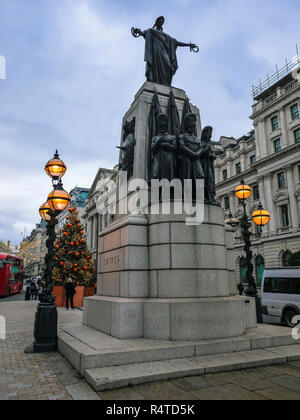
[[50, 377]]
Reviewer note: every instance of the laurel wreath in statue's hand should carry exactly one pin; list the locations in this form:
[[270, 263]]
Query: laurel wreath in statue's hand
[[194, 48], [135, 32]]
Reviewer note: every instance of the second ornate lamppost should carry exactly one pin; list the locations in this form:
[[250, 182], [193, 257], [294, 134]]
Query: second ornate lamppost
[[260, 217], [45, 329]]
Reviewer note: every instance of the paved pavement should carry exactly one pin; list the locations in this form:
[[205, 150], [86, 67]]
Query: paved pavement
[[14, 298], [50, 377], [35, 376]]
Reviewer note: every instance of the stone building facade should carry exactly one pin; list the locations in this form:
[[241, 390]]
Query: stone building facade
[[95, 216], [33, 250], [268, 159], [78, 198]]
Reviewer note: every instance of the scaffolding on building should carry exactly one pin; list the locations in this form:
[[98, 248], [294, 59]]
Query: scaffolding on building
[[277, 76]]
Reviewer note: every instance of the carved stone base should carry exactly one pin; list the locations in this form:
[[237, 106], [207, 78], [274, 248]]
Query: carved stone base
[[45, 329], [163, 279]]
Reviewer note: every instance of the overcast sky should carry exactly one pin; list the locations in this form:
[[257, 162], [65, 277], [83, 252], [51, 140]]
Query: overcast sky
[[73, 69]]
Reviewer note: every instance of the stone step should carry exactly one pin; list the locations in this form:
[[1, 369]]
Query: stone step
[[107, 378], [87, 348]]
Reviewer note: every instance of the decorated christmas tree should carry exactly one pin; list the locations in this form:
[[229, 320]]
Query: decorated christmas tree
[[72, 257]]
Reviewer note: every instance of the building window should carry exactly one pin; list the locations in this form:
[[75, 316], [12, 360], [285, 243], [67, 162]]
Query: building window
[[285, 215], [256, 195], [286, 258], [226, 203], [277, 146], [281, 180], [252, 159], [295, 112], [260, 268], [225, 174], [243, 269], [238, 168], [297, 135], [275, 123]]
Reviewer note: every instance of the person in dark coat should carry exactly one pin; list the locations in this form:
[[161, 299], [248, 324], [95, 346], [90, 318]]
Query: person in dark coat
[[27, 293], [33, 290], [70, 292]]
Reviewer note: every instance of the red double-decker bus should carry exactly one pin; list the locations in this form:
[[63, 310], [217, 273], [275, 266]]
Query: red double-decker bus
[[11, 275]]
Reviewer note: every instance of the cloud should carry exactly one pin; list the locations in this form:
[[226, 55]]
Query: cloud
[[73, 69]]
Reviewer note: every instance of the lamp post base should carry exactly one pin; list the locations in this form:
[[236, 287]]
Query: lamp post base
[[251, 292], [259, 310], [45, 329]]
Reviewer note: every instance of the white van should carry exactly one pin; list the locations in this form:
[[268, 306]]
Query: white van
[[281, 293]]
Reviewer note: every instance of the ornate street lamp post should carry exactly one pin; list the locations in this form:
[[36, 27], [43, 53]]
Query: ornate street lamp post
[[260, 217], [45, 328]]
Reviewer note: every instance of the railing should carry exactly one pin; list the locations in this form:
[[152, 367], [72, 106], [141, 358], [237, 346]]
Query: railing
[[284, 71]]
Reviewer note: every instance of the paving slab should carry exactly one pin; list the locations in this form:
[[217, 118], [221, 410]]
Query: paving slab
[[82, 392], [229, 392], [248, 379], [287, 381], [164, 391], [122, 394], [277, 393], [191, 383]]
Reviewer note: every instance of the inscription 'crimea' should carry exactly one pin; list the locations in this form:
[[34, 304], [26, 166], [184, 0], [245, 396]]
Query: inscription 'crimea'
[[112, 260]]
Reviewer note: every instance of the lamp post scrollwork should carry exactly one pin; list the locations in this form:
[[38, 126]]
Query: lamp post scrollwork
[[45, 328], [260, 217]]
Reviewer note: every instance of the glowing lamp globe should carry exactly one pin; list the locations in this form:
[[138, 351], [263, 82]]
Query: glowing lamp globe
[[59, 199], [44, 211], [261, 217], [243, 191], [55, 168]]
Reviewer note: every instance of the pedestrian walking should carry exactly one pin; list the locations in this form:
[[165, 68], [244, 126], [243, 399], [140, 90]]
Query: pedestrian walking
[[28, 293], [32, 289], [70, 292]]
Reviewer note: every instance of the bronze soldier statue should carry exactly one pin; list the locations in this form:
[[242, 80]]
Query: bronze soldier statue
[[163, 148], [207, 161], [127, 148], [190, 146]]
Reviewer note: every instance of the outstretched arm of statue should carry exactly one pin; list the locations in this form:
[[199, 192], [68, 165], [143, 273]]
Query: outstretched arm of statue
[[193, 47], [136, 32]]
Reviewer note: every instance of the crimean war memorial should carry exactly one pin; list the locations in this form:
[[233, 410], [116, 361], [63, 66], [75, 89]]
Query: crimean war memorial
[[167, 292]]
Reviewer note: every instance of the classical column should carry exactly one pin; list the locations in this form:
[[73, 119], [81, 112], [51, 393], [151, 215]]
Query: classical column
[[268, 201], [263, 135], [284, 130], [232, 203], [95, 231], [90, 232], [257, 140], [293, 201], [243, 162]]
